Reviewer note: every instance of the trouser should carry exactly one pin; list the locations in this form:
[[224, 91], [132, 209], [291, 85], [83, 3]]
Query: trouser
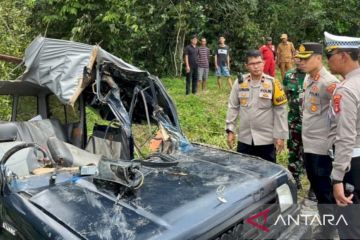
[[284, 67], [191, 77], [351, 212], [295, 147], [269, 67], [266, 152], [318, 169]]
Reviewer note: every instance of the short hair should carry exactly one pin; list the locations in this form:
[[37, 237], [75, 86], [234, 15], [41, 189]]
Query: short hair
[[203, 38], [221, 36], [353, 53], [252, 54], [193, 36]]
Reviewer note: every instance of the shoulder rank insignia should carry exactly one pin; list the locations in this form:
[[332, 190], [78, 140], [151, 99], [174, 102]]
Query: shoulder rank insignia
[[330, 89], [316, 77]]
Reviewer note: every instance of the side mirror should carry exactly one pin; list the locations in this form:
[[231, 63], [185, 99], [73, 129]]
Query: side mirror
[[8, 132]]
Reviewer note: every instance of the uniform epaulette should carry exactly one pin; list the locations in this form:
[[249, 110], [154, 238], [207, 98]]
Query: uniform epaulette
[[268, 77], [246, 76]]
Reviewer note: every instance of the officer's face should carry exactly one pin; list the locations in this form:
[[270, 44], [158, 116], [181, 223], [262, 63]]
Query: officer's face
[[310, 64], [334, 61], [255, 66]]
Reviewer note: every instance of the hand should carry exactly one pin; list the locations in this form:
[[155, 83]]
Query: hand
[[279, 145], [341, 200], [230, 139], [187, 69]]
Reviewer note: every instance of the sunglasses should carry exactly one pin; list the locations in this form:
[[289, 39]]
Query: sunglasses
[[330, 54]]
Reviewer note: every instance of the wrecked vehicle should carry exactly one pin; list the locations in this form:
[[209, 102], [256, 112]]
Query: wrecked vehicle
[[64, 177]]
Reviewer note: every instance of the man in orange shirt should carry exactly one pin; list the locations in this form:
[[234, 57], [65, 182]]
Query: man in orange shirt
[[285, 54]]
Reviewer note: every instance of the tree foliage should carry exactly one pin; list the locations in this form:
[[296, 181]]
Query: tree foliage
[[152, 33], [14, 33]]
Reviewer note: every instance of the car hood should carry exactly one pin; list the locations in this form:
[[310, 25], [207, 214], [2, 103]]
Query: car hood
[[171, 204]]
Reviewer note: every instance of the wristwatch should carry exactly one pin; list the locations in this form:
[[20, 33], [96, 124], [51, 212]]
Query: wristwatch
[[333, 182]]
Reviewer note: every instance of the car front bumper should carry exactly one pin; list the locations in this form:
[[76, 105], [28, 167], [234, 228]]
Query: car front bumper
[[296, 232]]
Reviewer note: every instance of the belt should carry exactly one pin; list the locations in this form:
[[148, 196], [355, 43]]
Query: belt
[[356, 152]]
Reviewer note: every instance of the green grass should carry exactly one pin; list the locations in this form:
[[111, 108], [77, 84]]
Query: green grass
[[202, 116]]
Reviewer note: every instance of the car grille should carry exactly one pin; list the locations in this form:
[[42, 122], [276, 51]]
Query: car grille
[[244, 230]]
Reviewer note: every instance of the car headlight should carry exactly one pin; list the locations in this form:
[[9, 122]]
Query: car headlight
[[285, 197]]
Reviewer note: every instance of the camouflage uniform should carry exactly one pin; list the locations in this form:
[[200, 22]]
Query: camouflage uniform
[[293, 84]]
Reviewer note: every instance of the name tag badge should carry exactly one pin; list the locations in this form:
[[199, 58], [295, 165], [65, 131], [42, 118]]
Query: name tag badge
[[244, 94], [265, 94]]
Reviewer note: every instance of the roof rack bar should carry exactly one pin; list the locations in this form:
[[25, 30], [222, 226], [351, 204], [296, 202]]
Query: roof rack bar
[[11, 59]]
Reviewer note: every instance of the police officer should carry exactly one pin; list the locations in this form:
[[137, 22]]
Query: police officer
[[293, 84], [318, 87], [260, 103], [343, 55]]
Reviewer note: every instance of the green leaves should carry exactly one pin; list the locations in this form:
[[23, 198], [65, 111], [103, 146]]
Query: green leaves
[[152, 33]]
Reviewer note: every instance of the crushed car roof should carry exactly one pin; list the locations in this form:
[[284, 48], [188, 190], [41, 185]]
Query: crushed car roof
[[59, 65]]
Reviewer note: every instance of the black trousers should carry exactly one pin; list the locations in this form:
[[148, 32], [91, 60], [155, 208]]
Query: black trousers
[[318, 170], [192, 77], [351, 212], [266, 152]]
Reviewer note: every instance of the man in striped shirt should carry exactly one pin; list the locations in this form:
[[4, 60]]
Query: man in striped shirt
[[203, 64]]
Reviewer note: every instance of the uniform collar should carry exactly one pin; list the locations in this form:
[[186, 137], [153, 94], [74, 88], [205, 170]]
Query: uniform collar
[[258, 82], [318, 75], [355, 72]]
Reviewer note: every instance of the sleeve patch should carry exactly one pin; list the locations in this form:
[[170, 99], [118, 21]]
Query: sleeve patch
[[336, 102], [279, 94]]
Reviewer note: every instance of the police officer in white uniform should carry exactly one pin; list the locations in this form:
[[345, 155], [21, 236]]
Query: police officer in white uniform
[[343, 58], [319, 84], [260, 102]]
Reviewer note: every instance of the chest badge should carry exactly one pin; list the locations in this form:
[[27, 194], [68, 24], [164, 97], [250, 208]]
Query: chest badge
[[266, 85], [315, 89], [243, 102], [314, 108], [313, 100]]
